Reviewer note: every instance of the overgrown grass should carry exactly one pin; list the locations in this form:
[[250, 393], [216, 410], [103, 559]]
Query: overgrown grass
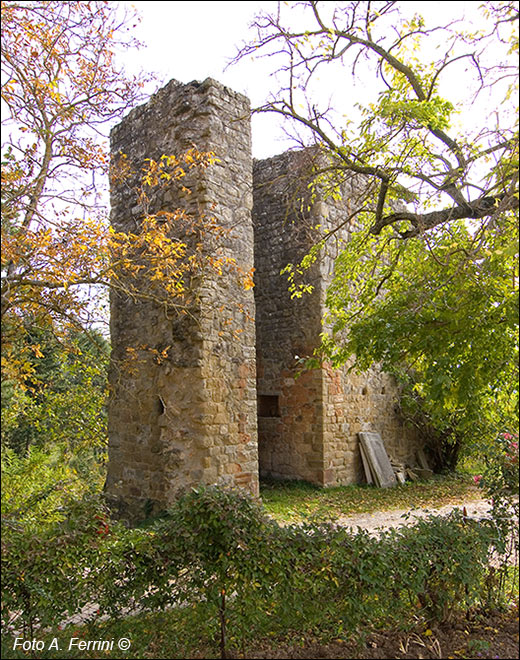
[[295, 501]]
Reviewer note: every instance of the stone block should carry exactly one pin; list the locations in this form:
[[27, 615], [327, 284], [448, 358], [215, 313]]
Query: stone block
[[235, 342]]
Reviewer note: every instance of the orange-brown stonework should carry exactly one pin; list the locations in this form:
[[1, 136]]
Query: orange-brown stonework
[[231, 400]]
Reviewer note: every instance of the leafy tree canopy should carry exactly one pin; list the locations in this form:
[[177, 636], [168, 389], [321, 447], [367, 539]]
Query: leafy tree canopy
[[428, 284], [60, 397], [62, 90]]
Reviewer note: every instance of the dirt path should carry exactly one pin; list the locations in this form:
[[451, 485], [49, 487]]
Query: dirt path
[[396, 518]]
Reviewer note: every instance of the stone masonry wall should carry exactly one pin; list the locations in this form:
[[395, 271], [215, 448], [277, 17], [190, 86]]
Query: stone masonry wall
[[310, 430], [290, 433], [352, 401], [220, 395], [190, 418]]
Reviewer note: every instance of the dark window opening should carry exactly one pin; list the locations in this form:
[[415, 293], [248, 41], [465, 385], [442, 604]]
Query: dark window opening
[[268, 405]]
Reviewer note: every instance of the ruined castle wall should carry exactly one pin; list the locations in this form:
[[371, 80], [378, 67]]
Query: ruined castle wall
[[182, 411], [353, 401], [290, 422], [185, 388], [320, 412]]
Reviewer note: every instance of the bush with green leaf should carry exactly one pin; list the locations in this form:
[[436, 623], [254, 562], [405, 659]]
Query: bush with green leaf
[[49, 571], [499, 482], [440, 564], [235, 576], [216, 543], [55, 528]]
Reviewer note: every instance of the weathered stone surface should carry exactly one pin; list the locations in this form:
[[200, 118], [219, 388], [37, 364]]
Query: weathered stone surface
[[192, 418], [314, 435]]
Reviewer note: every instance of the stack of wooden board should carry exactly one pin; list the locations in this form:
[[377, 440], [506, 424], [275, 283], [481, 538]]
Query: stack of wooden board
[[383, 472], [376, 463]]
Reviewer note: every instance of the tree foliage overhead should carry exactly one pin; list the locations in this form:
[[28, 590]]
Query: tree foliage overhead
[[423, 113], [61, 90], [404, 141]]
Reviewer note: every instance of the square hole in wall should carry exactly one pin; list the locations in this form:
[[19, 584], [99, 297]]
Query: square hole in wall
[[268, 405]]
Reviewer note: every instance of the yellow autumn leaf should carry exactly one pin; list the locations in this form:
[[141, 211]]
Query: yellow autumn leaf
[[37, 352]]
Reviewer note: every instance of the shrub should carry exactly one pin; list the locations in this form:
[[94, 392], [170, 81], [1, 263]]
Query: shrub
[[439, 564], [499, 482], [219, 559], [217, 543], [49, 571]]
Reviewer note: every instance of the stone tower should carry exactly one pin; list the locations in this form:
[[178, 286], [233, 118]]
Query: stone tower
[[308, 420], [191, 417], [210, 399]]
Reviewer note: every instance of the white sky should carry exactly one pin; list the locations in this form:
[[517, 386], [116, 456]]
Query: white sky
[[195, 40]]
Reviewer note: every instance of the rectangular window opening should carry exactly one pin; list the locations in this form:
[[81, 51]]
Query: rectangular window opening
[[268, 405]]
